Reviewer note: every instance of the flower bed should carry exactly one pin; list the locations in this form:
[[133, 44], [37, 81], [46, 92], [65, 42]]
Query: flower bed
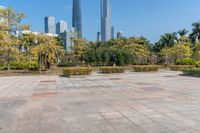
[[108, 70], [76, 71], [146, 68]]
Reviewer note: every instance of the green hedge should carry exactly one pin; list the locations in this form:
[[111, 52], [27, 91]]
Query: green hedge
[[70, 64], [180, 67], [146, 68], [108, 70], [76, 71], [24, 66], [192, 71]]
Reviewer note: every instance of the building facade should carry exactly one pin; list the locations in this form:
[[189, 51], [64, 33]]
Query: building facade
[[113, 32], [49, 25], [106, 21], [120, 34], [61, 27], [67, 38], [77, 17]]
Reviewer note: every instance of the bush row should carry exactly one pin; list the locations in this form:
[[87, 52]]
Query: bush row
[[192, 71], [24, 66], [68, 72], [180, 67], [108, 70], [69, 64], [73, 71], [146, 68]]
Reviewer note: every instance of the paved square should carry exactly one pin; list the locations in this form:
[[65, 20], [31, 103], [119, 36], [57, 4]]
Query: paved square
[[162, 102]]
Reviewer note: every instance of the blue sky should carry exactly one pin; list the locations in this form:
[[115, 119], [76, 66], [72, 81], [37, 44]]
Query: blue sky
[[149, 18]]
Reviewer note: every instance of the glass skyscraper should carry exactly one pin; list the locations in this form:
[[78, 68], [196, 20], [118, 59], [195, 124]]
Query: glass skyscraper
[[77, 17], [106, 21], [50, 25]]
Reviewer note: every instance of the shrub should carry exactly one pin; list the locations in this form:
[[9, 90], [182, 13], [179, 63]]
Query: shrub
[[108, 70], [185, 61], [24, 66], [18, 65], [70, 64], [192, 71], [180, 67], [146, 68], [197, 64], [76, 71], [33, 66]]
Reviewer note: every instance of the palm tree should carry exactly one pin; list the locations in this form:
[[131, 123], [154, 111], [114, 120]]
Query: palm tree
[[182, 32], [167, 40], [195, 35]]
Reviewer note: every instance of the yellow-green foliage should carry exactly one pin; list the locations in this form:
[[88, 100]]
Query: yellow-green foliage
[[192, 71], [180, 67], [73, 71], [146, 68], [108, 69]]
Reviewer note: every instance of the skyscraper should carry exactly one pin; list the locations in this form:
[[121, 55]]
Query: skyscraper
[[113, 32], [49, 24], [61, 27], [98, 36], [77, 17], [106, 22]]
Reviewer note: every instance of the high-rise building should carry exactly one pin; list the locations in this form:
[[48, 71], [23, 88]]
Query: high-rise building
[[77, 17], [106, 21], [120, 34], [49, 25], [61, 27], [67, 38], [98, 36], [113, 32]]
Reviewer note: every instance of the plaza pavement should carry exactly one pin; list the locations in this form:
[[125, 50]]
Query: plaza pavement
[[162, 102]]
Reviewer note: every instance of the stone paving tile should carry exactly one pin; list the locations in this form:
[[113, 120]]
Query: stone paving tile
[[162, 102], [112, 115]]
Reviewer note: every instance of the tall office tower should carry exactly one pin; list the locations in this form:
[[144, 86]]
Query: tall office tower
[[49, 25], [98, 36], [106, 22], [113, 32], [77, 17], [61, 27]]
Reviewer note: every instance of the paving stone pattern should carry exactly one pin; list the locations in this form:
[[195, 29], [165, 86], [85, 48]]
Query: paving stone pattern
[[163, 102]]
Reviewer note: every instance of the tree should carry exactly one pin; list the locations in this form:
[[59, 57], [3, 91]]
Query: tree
[[182, 32], [139, 52], [47, 51], [195, 35], [171, 55], [7, 44], [196, 54], [167, 40], [13, 20], [10, 23], [27, 42], [78, 49]]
